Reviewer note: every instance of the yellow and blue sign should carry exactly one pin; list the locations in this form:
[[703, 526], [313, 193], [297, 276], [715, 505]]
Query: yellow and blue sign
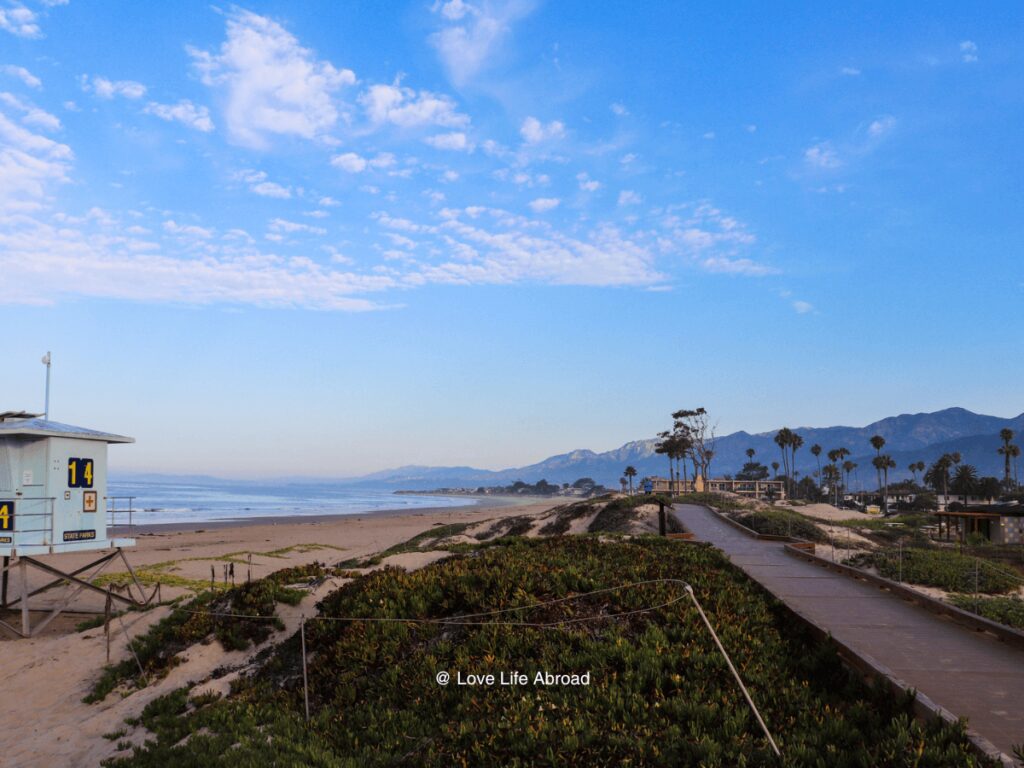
[[80, 473]]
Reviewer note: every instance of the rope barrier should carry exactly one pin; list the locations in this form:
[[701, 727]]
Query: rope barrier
[[461, 621]]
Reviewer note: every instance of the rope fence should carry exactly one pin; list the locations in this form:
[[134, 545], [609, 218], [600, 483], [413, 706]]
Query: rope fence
[[472, 620]]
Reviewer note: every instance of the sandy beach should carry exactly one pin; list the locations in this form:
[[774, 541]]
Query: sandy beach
[[46, 722]]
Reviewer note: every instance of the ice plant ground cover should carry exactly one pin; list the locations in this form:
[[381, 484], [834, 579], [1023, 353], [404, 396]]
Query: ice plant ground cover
[[660, 693]]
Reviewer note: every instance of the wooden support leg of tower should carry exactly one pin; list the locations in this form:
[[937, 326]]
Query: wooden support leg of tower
[[23, 572], [142, 592], [3, 583]]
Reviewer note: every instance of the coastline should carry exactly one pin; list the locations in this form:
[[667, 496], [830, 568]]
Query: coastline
[[481, 503]]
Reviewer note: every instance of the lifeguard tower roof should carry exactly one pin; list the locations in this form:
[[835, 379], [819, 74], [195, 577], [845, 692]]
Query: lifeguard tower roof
[[29, 424]]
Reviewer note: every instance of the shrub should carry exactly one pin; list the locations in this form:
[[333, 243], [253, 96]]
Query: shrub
[[944, 569], [1005, 610]]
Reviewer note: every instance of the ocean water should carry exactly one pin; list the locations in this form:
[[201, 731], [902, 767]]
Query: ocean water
[[158, 501]]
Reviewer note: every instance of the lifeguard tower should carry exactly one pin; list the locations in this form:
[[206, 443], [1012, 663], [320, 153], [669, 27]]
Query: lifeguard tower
[[53, 499]]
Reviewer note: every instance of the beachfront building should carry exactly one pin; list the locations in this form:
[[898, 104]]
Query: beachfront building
[[765, 490], [53, 486], [1001, 523], [905, 499]]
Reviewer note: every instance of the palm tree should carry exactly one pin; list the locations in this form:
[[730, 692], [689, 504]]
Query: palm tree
[[937, 475], [816, 453], [1006, 435], [795, 443], [888, 462], [775, 466], [784, 439], [750, 455], [878, 443], [848, 467], [630, 473], [965, 481], [920, 467], [913, 470]]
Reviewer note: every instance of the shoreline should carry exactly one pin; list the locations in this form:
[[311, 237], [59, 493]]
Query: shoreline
[[196, 526]]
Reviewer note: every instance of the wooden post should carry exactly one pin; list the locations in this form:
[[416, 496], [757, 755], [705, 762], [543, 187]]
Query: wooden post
[[23, 571], [213, 576], [661, 519], [305, 677], [106, 622], [248, 574], [3, 588]]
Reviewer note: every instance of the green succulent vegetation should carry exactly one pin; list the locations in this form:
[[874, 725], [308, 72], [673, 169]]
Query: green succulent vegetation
[[660, 692], [190, 622], [776, 521], [1005, 610], [942, 568]]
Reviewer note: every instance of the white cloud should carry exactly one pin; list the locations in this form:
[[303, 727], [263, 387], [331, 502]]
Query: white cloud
[[455, 141], [108, 89], [627, 158], [802, 307], [543, 204], [407, 108], [849, 71], [29, 164], [260, 185], [382, 160], [328, 202], [728, 266], [629, 197], [751, 128], [42, 264], [189, 231], [184, 112], [474, 34], [488, 246], [968, 51], [450, 176], [587, 184], [709, 135], [271, 189], [22, 74], [534, 131], [291, 227], [19, 21], [349, 162], [822, 156], [272, 85], [31, 114], [619, 109], [881, 126]]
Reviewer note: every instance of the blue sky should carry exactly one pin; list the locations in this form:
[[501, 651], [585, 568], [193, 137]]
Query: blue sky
[[328, 238]]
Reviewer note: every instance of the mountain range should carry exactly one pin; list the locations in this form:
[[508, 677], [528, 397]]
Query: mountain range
[[909, 438]]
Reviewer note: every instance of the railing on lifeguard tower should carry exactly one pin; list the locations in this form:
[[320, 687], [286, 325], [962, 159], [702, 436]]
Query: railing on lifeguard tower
[[37, 513], [120, 514]]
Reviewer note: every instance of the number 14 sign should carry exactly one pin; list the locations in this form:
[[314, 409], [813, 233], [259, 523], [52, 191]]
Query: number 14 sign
[[79, 473]]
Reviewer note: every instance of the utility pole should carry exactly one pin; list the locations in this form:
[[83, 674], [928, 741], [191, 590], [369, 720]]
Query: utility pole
[[46, 410]]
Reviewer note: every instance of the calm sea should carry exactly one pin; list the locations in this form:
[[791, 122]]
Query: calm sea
[[196, 501]]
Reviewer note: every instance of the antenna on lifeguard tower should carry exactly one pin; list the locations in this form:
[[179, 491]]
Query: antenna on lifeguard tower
[[46, 410]]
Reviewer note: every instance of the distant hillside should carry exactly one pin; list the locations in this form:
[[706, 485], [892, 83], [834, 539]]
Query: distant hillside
[[909, 437]]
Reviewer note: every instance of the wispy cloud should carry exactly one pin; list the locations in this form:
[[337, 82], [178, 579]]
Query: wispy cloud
[[22, 74], [271, 84], [968, 52], [184, 112], [20, 21], [108, 89], [408, 108], [534, 131], [544, 204], [472, 34]]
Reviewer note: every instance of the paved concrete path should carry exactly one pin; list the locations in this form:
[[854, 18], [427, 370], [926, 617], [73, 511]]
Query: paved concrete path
[[971, 674]]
